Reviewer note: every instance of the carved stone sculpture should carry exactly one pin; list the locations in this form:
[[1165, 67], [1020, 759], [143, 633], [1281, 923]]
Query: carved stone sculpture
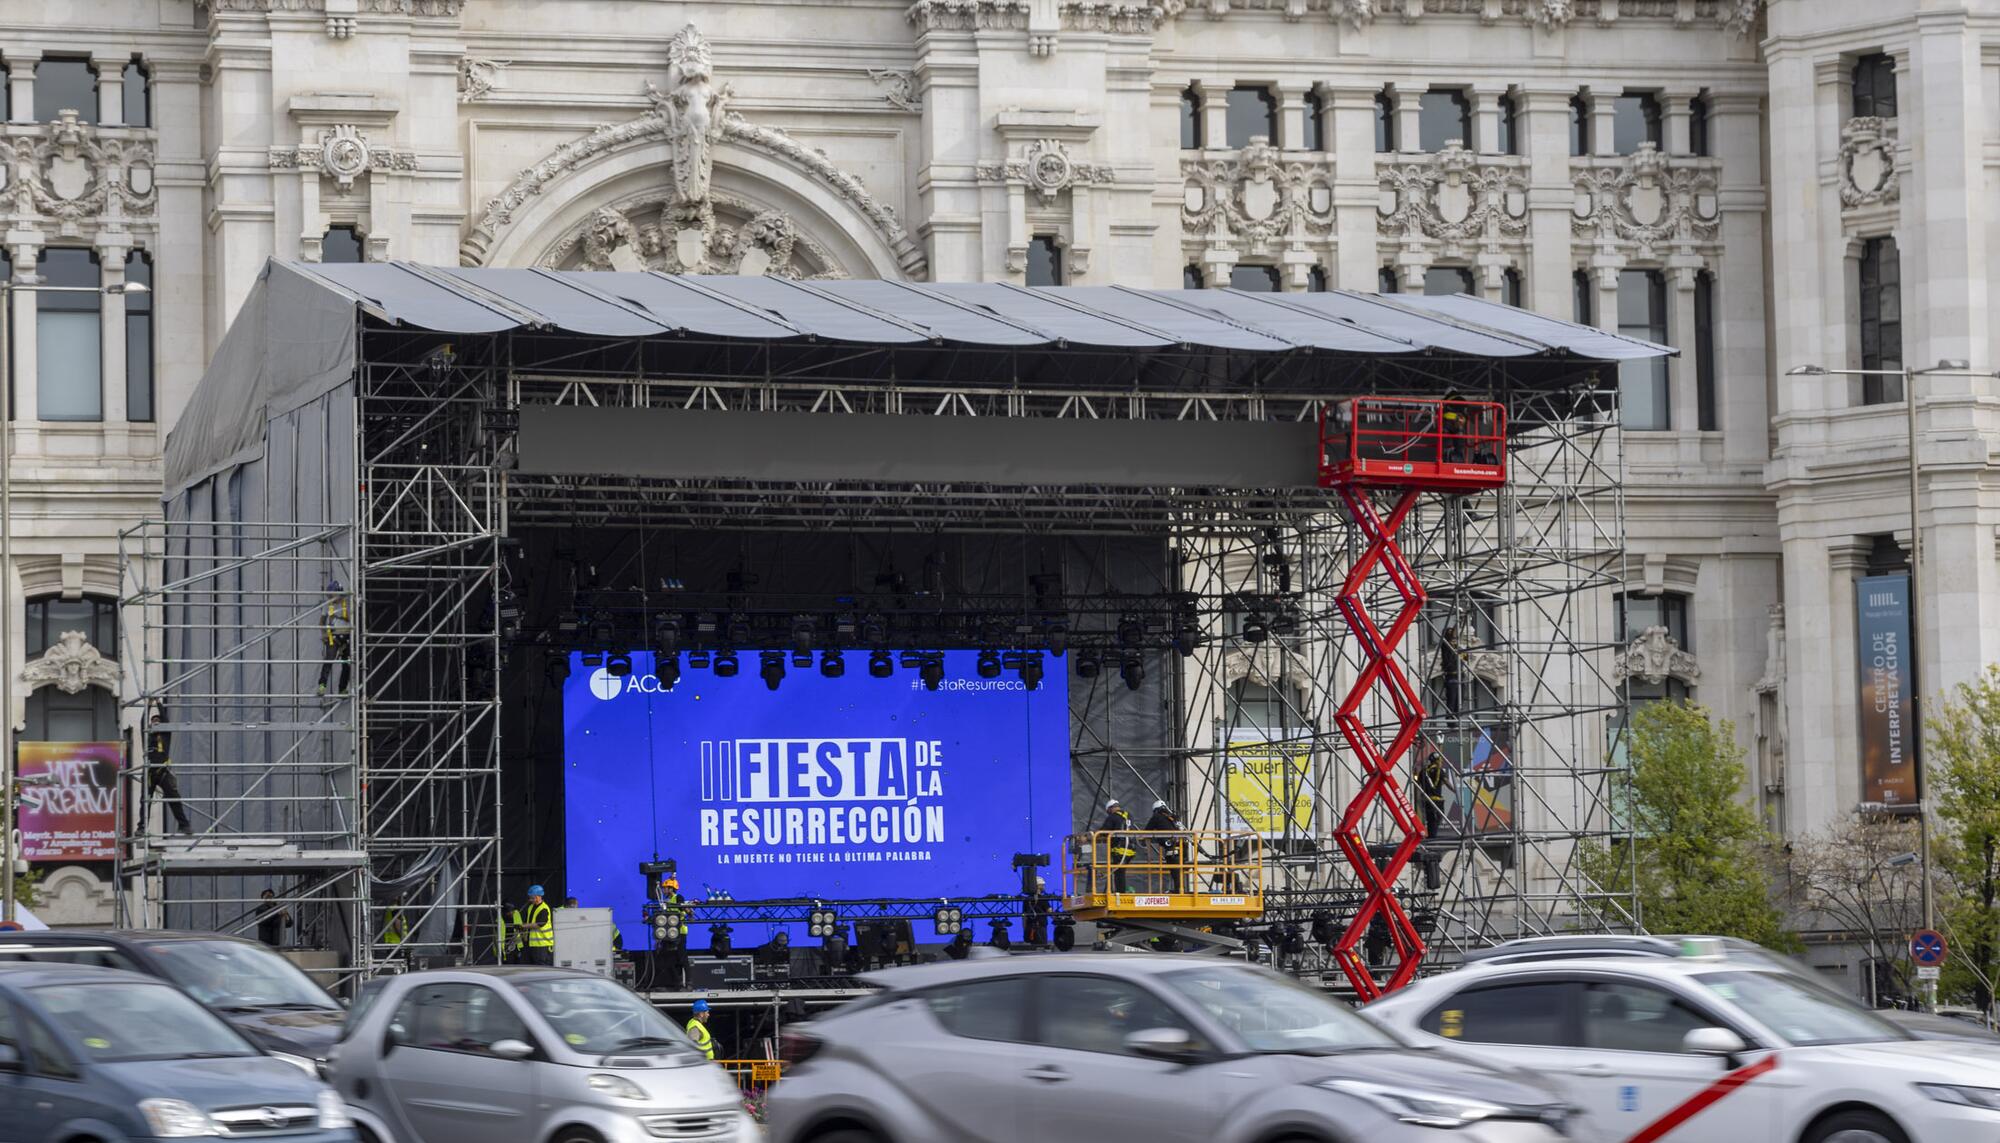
[[1654, 657], [70, 666], [1868, 161]]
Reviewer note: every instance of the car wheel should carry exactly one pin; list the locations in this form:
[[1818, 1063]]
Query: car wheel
[[846, 1135], [1856, 1127], [579, 1135]]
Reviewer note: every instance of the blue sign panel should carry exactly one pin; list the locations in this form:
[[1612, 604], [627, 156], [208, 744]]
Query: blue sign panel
[[1888, 723], [843, 788]]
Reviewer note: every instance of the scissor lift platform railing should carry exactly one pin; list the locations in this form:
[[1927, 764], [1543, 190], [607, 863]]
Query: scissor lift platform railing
[[1174, 875]]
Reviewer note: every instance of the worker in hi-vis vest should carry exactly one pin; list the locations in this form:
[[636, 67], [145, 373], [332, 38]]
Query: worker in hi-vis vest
[[697, 1029], [541, 929]]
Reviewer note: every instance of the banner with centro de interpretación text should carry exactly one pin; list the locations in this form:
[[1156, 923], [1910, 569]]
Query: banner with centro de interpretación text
[[1888, 716]]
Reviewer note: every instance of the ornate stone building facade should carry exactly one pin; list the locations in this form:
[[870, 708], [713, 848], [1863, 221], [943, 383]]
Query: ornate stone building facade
[[1762, 183]]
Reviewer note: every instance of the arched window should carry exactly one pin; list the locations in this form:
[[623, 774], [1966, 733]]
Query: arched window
[[54, 714]]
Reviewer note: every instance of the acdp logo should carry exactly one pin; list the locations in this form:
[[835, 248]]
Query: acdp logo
[[606, 685]]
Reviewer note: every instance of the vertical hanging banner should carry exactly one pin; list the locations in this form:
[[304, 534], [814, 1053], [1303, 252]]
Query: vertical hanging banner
[[1888, 726], [1266, 783], [69, 800]]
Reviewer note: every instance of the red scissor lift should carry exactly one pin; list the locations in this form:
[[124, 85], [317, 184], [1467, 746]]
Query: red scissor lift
[[1388, 451]]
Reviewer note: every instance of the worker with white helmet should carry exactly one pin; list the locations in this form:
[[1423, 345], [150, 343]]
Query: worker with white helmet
[[1116, 823], [1172, 849]]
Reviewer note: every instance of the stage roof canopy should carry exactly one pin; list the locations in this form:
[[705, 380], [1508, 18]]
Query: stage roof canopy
[[296, 336]]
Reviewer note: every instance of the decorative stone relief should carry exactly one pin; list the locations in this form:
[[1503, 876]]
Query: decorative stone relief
[[691, 116], [1046, 167], [343, 153], [1127, 16], [1868, 161], [1773, 679], [1355, 13], [1654, 657], [1451, 196], [1739, 16], [71, 665], [1552, 14], [646, 234], [1647, 199], [898, 87], [1257, 197], [478, 78], [378, 7], [73, 171]]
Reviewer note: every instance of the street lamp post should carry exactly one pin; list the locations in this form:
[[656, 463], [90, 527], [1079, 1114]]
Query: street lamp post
[[8, 778], [1944, 368]]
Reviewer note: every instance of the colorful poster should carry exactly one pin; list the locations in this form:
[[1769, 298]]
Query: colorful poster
[[1888, 725], [1478, 787], [69, 800], [1263, 783]]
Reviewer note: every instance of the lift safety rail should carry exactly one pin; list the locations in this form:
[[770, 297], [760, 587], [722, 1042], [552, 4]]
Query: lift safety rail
[[1163, 875]]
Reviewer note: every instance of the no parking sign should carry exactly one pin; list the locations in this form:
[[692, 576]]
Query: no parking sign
[[1927, 947]]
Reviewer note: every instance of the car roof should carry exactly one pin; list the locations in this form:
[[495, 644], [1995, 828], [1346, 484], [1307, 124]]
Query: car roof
[[1120, 964], [114, 936], [29, 975], [1642, 965], [513, 974]]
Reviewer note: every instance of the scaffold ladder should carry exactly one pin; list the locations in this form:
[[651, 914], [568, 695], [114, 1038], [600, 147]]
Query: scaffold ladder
[[1380, 675]]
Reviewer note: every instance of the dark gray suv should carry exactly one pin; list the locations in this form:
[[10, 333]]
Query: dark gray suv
[[1130, 1046]]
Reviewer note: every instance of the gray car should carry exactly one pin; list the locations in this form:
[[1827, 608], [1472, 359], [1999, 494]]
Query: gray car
[[526, 1055], [1108, 1047]]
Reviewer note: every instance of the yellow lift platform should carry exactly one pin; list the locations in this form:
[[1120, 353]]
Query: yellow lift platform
[[1163, 876]]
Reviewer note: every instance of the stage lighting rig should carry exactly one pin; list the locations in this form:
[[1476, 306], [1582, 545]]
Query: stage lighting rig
[[725, 664], [1031, 671], [618, 665], [1065, 934], [948, 920], [507, 606], [1252, 629], [821, 922], [603, 631], [960, 946], [989, 664], [929, 665], [667, 668], [719, 942], [771, 668], [881, 664], [1131, 630], [1133, 670], [1088, 665], [666, 633], [874, 629], [737, 628], [831, 665], [1001, 940], [557, 669], [1055, 636], [805, 631], [1284, 621]]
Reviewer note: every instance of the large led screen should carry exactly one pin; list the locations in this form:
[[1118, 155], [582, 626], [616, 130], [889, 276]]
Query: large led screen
[[826, 788]]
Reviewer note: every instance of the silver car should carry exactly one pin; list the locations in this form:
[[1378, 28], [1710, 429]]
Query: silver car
[[526, 1055], [1108, 1047]]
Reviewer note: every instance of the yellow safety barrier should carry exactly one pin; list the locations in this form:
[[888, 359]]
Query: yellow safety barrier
[[1168, 874], [753, 1076]]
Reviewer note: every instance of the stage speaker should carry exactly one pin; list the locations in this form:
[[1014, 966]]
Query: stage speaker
[[708, 973]]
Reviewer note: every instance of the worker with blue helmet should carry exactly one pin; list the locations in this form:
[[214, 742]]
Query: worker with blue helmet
[[541, 926], [697, 1029]]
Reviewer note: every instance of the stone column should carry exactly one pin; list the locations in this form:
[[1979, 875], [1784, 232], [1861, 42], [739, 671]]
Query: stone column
[[1542, 128], [110, 89], [1677, 109], [21, 83], [1604, 275], [1350, 134], [1742, 369], [1684, 411], [1486, 119], [1214, 116], [1603, 116], [111, 342], [1408, 109], [1291, 118], [21, 331]]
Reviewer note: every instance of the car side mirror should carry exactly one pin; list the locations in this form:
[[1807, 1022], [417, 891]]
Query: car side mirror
[[512, 1049], [1712, 1042], [1172, 1044], [10, 1058]]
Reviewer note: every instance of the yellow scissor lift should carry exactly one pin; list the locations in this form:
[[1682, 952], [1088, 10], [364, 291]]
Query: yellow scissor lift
[[1172, 882]]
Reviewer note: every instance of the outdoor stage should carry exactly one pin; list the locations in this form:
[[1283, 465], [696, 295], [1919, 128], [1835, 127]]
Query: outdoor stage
[[1076, 535]]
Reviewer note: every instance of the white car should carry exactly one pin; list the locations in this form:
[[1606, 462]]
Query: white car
[[1706, 1049]]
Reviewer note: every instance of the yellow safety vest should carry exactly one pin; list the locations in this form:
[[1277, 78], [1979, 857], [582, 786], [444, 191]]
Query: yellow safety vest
[[698, 1032], [395, 929], [541, 927], [338, 618]]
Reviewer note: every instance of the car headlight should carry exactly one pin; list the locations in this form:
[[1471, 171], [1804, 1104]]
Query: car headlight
[[176, 1119], [1987, 1098], [333, 1113], [1417, 1106], [617, 1087], [300, 1062]]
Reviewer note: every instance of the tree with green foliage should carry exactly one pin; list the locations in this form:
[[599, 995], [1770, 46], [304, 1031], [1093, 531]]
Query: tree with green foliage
[[1697, 861], [1962, 767]]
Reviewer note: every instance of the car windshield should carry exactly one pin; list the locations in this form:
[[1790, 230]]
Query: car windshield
[[1803, 1014], [1271, 1013], [595, 1016], [137, 1020], [233, 974]]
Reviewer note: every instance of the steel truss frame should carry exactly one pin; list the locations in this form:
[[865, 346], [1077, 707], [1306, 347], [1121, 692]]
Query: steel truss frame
[[407, 758], [1530, 566]]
